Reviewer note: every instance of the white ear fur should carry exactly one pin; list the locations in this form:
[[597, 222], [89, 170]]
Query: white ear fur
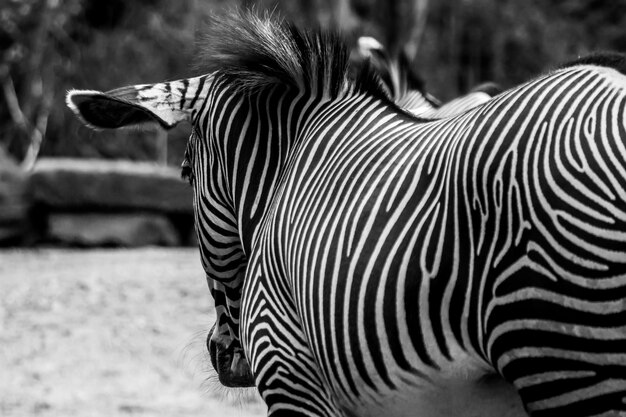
[[70, 103], [366, 44], [74, 92]]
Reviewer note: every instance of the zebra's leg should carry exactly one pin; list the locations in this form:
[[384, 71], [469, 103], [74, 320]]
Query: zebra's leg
[[284, 369]]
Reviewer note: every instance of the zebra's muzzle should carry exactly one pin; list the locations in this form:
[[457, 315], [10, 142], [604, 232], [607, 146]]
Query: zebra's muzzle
[[230, 364]]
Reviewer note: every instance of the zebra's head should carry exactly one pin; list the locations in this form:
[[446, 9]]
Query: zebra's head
[[165, 105]]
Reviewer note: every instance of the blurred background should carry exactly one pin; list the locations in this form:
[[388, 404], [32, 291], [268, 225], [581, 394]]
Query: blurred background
[[50, 46], [102, 298]]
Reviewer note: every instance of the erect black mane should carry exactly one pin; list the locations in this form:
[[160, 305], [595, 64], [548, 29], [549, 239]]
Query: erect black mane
[[615, 60], [253, 52]]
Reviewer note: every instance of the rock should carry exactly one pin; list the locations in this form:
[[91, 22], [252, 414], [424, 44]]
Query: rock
[[115, 229], [67, 184]]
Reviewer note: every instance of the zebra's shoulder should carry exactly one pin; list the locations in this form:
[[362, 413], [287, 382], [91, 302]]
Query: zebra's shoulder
[[608, 59]]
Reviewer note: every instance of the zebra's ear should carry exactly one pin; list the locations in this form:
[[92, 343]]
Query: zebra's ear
[[163, 104], [104, 111], [367, 46]]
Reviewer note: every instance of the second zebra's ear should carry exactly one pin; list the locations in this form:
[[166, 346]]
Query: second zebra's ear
[[162, 104], [367, 46]]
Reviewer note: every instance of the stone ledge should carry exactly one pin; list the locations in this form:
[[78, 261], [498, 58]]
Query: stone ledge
[[79, 184], [100, 229]]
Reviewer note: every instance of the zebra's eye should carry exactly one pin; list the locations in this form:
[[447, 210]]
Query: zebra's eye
[[186, 172]]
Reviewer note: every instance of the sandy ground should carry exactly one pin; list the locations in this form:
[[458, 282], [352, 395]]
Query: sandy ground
[[109, 333]]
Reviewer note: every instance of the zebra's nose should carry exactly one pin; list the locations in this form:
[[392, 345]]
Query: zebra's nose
[[229, 361], [234, 364], [232, 367]]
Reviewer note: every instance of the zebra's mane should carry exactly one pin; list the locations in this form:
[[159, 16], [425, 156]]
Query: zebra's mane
[[614, 60], [253, 52]]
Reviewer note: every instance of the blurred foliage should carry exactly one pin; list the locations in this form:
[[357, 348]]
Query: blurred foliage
[[35, 50], [462, 43], [50, 46]]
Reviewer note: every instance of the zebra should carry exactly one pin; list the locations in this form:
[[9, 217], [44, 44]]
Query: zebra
[[360, 265], [408, 90], [400, 82]]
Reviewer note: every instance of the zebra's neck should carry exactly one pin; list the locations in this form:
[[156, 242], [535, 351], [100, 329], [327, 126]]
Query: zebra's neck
[[259, 133]]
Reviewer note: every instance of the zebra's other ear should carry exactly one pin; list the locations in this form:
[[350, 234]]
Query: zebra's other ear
[[368, 45], [163, 104]]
